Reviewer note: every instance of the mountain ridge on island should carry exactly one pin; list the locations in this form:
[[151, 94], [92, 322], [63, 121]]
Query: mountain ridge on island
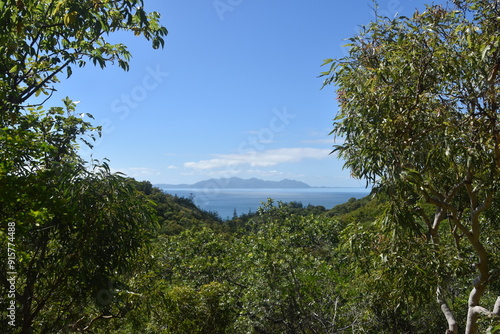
[[238, 183]]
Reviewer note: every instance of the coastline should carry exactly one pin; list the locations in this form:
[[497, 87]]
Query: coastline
[[225, 201]]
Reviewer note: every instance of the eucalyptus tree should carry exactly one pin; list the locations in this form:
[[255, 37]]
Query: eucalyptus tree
[[418, 114]]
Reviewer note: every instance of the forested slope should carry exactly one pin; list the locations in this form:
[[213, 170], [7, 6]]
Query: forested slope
[[285, 270], [86, 250]]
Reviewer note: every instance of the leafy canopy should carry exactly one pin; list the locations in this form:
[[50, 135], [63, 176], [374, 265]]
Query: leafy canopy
[[41, 39], [419, 114], [75, 227]]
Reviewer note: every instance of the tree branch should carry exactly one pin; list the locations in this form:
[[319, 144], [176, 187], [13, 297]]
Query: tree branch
[[496, 308], [452, 323], [483, 311], [29, 92]]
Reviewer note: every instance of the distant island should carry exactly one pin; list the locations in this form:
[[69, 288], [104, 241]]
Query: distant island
[[238, 183]]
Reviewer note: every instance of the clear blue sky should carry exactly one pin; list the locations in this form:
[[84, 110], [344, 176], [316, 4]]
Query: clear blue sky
[[235, 91]]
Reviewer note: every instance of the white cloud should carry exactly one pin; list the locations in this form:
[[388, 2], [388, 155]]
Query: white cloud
[[260, 159]]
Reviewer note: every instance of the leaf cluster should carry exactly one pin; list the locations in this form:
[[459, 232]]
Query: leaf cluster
[[41, 39]]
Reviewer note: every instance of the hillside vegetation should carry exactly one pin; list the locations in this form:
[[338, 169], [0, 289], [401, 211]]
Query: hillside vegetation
[[86, 250]]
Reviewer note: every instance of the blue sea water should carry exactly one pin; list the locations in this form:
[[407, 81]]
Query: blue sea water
[[225, 201]]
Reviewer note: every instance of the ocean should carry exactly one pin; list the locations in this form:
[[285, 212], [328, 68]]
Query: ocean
[[226, 201]]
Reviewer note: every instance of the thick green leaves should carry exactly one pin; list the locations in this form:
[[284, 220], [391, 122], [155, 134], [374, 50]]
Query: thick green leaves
[[42, 38], [77, 226]]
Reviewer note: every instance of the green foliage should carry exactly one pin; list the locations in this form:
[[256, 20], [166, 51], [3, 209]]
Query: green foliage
[[41, 39], [97, 252], [419, 118], [243, 221], [435, 99], [197, 311], [73, 228], [285, 266], [276, 276], [176, 214], [494, 329], [77, 228]]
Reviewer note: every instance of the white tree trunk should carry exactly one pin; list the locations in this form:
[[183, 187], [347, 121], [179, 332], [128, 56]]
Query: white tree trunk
[[475, 311], [452, 323], [496, 308]]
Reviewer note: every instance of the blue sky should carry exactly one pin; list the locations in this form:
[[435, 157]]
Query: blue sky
[[235, 91]]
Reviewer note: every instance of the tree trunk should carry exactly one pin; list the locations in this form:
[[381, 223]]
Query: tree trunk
[[481, 282], [452, 323], [476, 311], [496, 308], [26, 301]]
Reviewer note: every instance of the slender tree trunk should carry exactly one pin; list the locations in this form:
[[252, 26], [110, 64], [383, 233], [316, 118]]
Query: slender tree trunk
[[473, 235], [27, 299], [479, 289], [452, 323], [472, 317], [496, 308]]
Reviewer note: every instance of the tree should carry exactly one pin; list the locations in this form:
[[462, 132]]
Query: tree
[[275, 275], [418, 116], [286, 275], [71, 229], [41, 39]]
